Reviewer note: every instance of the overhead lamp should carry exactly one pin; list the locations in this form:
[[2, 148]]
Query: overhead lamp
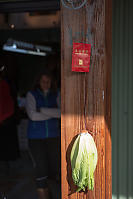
[[26, 48]]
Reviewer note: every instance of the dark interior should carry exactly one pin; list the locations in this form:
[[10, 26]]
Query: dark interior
[[16, 177]]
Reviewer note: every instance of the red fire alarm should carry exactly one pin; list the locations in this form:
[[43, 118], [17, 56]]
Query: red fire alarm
[[81, 57]]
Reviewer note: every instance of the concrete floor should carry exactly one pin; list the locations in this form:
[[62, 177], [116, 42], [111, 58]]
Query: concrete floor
[[17, 182]]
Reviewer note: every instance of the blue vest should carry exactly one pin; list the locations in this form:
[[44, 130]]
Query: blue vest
[[46, 128]]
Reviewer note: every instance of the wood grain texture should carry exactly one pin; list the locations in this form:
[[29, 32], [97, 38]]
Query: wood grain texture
[[86, 97], [108, 42]]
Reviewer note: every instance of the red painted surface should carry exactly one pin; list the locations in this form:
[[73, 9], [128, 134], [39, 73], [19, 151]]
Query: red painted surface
[[81, 57]]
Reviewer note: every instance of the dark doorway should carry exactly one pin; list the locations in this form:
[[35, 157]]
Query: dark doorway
[[31, 25]]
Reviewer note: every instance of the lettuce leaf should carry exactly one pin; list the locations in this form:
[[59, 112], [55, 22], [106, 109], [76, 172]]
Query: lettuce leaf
[[83, 161]]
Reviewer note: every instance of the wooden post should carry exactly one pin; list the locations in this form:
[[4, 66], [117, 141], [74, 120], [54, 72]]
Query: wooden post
[[86, 97]]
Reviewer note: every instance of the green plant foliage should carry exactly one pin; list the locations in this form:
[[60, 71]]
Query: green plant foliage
[[83, 161]]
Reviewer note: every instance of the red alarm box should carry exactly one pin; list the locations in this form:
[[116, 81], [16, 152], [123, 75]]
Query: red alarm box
[[81, 57]]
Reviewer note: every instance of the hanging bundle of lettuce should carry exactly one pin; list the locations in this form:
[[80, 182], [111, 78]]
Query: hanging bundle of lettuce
[[83, 161]]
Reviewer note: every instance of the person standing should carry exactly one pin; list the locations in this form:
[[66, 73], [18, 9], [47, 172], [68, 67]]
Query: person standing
[[9, 148], [43, 109]]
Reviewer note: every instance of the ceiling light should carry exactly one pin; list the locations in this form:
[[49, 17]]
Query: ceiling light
[[26, 48]]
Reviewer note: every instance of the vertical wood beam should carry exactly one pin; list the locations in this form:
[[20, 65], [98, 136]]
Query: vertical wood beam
[[86, 97], [108, 91]]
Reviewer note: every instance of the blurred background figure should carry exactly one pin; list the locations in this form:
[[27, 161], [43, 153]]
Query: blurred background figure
[[43, 109], [9, 149]]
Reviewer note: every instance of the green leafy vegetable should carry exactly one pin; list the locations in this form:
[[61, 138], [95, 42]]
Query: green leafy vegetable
[[83, 161]]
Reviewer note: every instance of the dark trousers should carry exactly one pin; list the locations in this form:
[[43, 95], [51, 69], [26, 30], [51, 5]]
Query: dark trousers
[[9, 146], [46, 154]]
